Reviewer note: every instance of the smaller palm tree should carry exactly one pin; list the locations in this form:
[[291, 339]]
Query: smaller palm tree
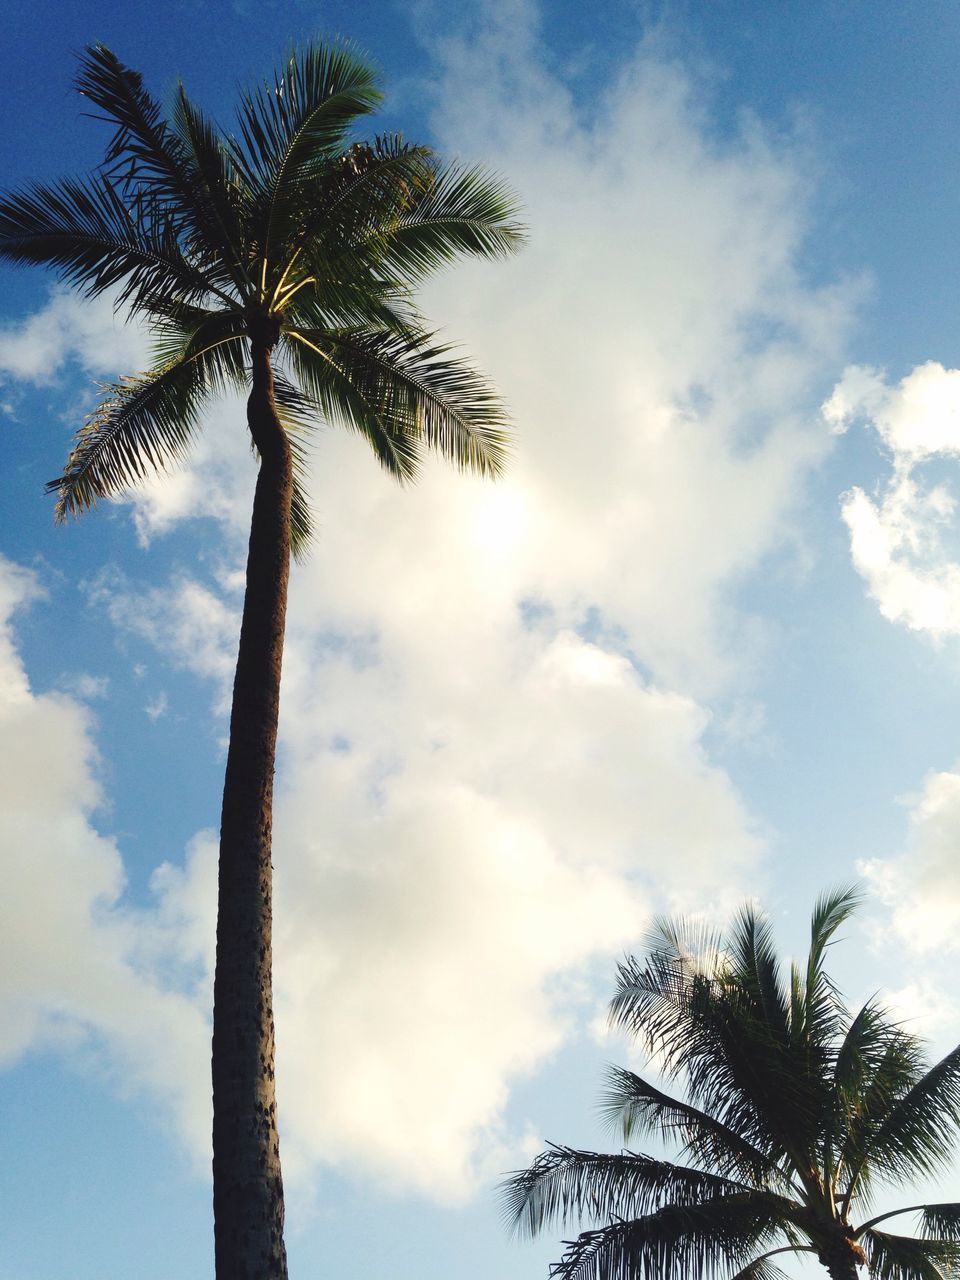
[[796, 1112]]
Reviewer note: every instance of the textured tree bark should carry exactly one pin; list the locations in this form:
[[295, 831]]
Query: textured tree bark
[[247, 1186], [842, 1256]]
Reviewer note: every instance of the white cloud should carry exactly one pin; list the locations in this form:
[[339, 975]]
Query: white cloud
[[195, 626], [444, 857], [68, 976], [68, 329], [900, 542], [85, 686], [157, 706], [920, 888], [922, 885]]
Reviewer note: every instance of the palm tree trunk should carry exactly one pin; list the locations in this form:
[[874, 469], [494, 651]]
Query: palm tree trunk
[[247, 1187], [842, 1255]]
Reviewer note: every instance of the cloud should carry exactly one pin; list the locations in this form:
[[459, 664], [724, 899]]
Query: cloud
[[901, 542], [68, 973], [69, 329], [922, 885], [196, 626], [85, 686], [441, 870]]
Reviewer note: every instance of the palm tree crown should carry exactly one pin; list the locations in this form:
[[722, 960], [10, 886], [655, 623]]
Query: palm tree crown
[[285, 232], [796, 1112]]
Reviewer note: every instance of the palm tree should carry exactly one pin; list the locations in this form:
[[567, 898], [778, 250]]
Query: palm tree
[[281, 261], [796, 1112]]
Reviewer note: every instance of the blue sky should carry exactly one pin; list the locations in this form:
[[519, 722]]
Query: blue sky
[[699, 644]]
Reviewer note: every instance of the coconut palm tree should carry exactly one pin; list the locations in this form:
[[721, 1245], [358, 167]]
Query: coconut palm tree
[[280, 260], [796, 1112]]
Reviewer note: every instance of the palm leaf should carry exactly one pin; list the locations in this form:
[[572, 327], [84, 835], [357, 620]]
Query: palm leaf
[[913, 1133], [87, 232], [299, 417], [149, 161], [675, 1243], [941, 1221], [143, 424], [869, 1068], [892, 1257], [303, 116], [403, 394], [821, 1006], [462, 211], [690, 1007], [638, 1107], [763, 1269], [563, 1182], [757, 972], [289, 129], [226, 202]]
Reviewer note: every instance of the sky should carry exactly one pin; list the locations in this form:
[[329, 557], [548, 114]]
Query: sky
[[701, 643]]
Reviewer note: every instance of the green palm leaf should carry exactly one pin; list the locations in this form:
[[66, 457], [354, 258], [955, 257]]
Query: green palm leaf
[[941, 1221], [291, 130], [691, 1242], [89, 234], [403, 395], [562, 1183], [636, 1107], [914, 1134], [461, 211], [141, 425], [892, 1257], [145, 423], [150, 163]]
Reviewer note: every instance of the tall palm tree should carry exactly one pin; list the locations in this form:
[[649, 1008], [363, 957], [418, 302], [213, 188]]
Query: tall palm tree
[[280, 260], [796, 1112]]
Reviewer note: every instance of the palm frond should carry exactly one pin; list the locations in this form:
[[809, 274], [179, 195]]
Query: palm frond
[[763, 1269], [216, 182], [86, 231], [302, 116], [941, 1221], [821, 1005], [290, 128], [757, 971], [364, 193], [653, 997], [148, 161], [693, 1242], [299, 417], [563, 1183], [636, 1107], [347, 298], [913, 1134], [893, 1257], [705, 1019], [869, 1069], [403, 394], [144, 423], [463, 211], [141, 425]]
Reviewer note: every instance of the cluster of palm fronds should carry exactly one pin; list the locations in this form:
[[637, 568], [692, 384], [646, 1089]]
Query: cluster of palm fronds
[[287, 222], [796, 1112]]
